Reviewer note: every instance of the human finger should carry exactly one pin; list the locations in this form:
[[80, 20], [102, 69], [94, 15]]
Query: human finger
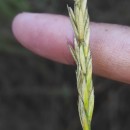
[[49, 35]]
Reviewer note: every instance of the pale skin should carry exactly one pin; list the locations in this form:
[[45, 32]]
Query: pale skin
[[49, 35]]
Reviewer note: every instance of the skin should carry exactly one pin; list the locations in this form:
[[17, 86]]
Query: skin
[[49, 35]]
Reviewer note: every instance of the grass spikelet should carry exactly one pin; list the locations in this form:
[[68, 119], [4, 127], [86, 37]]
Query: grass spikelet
[[82, 56]]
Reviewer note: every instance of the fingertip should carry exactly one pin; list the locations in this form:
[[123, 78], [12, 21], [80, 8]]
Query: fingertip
[[45, 34], [20, 28], [16, 24]]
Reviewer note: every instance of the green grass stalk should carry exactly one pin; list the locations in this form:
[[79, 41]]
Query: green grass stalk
[[82, 56]]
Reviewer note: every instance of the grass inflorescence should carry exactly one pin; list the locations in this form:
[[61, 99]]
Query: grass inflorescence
[[82, 56]]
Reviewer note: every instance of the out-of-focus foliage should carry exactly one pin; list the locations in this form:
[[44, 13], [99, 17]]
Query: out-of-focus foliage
[[8, 9]]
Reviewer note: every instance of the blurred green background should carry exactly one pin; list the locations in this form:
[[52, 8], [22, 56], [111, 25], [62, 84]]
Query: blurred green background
[[38, 94]]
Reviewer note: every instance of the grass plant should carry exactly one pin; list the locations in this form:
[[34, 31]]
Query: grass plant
[[82, 56]]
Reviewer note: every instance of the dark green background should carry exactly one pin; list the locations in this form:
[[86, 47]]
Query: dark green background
[[37, 94]]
